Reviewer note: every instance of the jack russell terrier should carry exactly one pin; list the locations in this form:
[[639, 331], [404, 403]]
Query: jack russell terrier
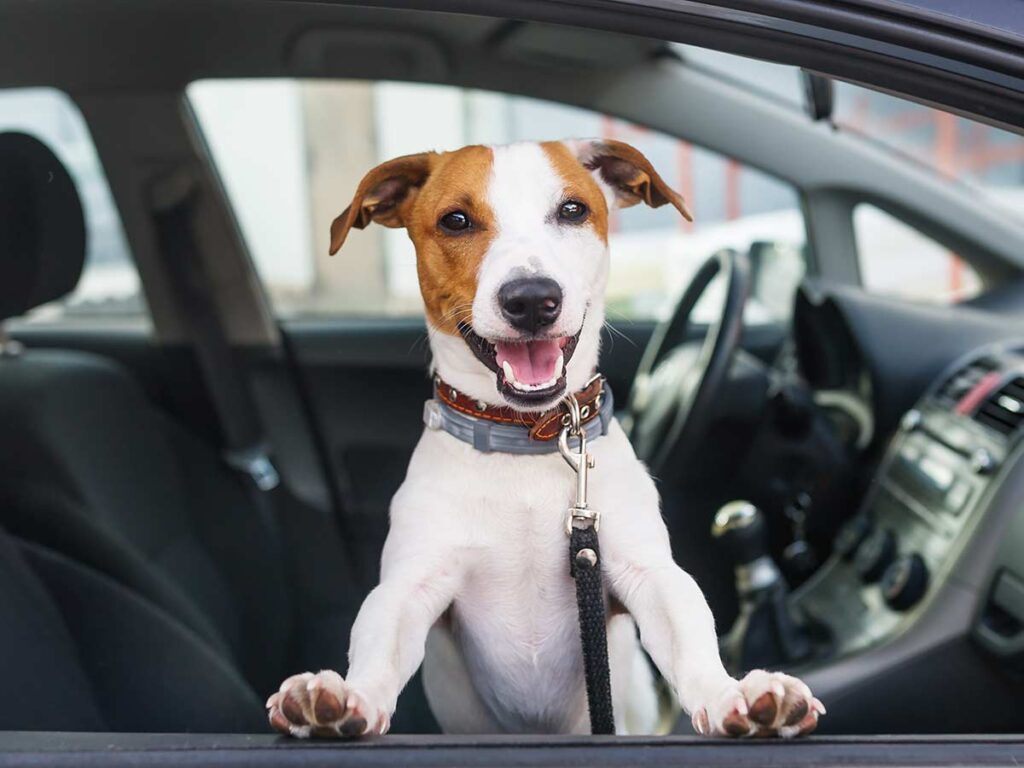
[[512, 256]]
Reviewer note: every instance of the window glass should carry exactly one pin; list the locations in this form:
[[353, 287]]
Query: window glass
[[894, 258], [290, 154], [778, 82], [897, 260], [109, 290], [989, 161]]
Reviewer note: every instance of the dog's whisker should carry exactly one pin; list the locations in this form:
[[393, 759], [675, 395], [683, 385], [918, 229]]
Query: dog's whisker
[[424, 339], [457, 311], [613, 331], [420, 341]]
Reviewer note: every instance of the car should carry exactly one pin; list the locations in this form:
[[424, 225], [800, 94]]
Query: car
[[203, 416]]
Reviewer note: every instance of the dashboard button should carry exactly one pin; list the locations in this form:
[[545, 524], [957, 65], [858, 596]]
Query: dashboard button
[[983, 462], [851, 535], [875, 554], [905, 582], [958, 497], [911, 420]]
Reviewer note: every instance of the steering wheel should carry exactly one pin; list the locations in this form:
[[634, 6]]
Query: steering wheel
[[677, 381]]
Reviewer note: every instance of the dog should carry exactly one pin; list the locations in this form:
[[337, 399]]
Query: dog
[[512, 258]]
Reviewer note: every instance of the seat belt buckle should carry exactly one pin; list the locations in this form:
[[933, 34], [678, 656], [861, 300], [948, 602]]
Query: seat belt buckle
[[256, 464]]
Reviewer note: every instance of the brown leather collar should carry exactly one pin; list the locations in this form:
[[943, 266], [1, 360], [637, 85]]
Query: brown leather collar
[[543, 426]]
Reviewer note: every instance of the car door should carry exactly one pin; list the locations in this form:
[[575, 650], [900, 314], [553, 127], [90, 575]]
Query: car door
[[851, 43]]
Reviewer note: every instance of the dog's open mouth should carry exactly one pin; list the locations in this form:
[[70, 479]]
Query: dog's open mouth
[[528, 372]]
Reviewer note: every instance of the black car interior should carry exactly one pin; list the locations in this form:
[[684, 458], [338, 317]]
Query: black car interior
[[136, 540], [148, 575], [123, 522]]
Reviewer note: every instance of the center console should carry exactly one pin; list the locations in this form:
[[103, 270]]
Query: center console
[[932, 490]]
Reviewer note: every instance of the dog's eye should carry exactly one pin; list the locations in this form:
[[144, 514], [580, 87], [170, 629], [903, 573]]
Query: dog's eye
[[572, 210], [456, 221]]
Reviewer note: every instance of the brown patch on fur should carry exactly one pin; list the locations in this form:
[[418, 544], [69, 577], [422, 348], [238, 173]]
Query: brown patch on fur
[[326, 707], [383, 196], [736, 724], [579, 185], [292, 709], [798, 713], [448, 265], [765, 709], [627, 171], [414, 192], [354, 727], [279, 721]]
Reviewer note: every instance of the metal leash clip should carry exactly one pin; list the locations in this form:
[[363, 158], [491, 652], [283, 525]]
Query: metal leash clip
[[580, 514]]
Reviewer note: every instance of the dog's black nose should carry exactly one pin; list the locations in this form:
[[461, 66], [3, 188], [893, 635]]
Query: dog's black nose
[[530, 303]]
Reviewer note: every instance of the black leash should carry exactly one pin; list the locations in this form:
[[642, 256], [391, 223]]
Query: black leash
[[582, 526], [585, 566]]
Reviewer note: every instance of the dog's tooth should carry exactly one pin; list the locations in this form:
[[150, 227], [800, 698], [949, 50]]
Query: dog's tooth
[[510, 375], [559, 366]]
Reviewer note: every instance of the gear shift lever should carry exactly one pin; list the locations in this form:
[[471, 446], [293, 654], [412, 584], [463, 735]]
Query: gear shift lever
[[765, 632], [741, 527]]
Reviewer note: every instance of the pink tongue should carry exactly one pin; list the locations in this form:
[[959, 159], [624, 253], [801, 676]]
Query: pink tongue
[[533, 362]]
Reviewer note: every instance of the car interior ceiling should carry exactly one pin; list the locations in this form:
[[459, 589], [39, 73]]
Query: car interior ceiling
[[133, 556]]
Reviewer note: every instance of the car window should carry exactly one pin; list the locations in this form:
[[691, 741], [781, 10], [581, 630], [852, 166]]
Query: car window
[[109, 290], [987, 160], [897, 260], [894, 257], [291, 152]]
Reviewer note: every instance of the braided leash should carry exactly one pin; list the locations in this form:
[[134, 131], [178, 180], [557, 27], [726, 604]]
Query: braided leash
[[582, 526]]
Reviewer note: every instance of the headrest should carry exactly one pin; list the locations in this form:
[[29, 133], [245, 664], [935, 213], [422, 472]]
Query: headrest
[[42, 230]]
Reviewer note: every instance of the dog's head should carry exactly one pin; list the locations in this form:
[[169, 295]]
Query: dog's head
[[512, 255]]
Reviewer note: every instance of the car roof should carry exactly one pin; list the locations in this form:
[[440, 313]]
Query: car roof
[[953, 52]]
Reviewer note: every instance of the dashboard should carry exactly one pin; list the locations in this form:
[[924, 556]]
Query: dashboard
[[954, 448]]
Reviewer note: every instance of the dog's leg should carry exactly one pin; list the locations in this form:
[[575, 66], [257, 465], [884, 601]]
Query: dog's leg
[[636, 702], [387, 645], [678, 631]]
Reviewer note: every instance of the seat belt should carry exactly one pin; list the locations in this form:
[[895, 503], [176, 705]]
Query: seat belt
[[246, 449]]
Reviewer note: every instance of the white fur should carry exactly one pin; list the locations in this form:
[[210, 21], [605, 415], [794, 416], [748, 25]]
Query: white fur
[[475, 569], [523, 192]]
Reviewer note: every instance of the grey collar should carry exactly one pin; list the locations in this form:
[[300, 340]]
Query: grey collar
[[491, 437]]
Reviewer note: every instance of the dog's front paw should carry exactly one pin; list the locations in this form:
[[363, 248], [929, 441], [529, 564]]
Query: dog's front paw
[[323, 705], [761, 704]]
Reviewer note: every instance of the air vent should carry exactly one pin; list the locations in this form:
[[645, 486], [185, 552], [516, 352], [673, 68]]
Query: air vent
[[965, 380], [1003, 411]]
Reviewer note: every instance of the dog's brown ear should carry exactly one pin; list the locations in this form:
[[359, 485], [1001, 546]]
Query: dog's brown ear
[[629, 174], [383, 196]]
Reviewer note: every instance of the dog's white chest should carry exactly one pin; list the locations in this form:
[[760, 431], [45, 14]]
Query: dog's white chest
[[515, 622], [514, 618]]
